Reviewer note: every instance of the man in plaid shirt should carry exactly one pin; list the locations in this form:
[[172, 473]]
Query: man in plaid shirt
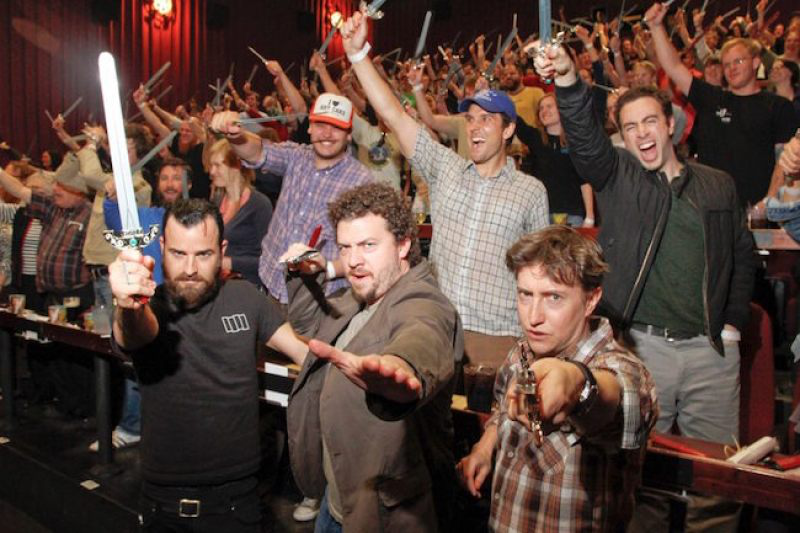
[[313, 176], [573, 465]]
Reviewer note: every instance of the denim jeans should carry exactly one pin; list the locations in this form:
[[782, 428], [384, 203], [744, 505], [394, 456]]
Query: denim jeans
[[131, 420], [326, 523], [785, 213]]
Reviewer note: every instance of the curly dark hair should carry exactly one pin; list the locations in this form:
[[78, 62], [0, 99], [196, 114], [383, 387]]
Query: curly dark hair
[[384, 201], [565, 255]]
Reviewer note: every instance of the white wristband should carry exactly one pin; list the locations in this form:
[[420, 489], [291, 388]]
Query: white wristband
[[330, 270], [588, 220], [361, 54], [730, 335], [417, 87]]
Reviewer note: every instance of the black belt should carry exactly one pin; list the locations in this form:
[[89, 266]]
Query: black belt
[[668, 334], [98, 271], [190, 508], [193, 502]]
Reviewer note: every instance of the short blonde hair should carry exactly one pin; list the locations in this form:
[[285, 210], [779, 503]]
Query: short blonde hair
[[752, 46]]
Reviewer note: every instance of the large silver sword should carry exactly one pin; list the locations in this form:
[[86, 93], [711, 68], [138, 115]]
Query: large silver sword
[[132, 234]]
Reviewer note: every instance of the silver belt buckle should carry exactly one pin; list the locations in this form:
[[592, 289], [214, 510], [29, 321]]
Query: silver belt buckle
[[667, 336], [188, 508]]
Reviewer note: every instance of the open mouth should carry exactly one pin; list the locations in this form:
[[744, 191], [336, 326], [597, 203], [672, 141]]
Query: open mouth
[[648, 150]]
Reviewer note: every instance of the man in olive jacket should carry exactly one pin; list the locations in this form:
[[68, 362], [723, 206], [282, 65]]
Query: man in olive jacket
[[370, 429]]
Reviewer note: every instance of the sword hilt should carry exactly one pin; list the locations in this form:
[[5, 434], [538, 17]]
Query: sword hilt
[[135, 239]]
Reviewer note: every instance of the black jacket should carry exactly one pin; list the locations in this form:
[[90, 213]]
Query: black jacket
[[635, 203]]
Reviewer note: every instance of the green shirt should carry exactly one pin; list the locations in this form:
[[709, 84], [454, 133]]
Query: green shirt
[[673, 291]]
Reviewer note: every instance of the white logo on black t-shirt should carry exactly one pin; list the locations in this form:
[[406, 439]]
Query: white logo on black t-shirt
[[235, 323]]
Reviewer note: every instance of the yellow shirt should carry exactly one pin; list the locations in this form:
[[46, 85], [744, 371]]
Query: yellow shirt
[[526, 102]]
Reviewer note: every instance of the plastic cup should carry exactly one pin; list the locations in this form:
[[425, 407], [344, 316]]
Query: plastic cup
[[479, 387], [17, 302], [57, 314], [559, 218]]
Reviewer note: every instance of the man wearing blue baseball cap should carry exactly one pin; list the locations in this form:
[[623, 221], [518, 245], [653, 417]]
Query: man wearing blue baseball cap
[[479, 206]]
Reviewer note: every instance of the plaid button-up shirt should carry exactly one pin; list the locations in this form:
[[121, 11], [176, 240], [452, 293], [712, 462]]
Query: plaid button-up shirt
[[573, 482], [475, 221], [59, 261], [302, 206]]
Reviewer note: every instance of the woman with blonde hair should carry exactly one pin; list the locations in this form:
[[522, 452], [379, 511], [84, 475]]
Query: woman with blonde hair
[[245, 211], [567, 193]]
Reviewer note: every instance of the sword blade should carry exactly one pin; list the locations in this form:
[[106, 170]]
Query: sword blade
[[252, 73], [260, 120], [71, 108], [49, 116], [117, 143], [154, 78], [326, 42], [423, 35], [490, 71], [545, 19], [154, 152], [259, 56], [731, 12]]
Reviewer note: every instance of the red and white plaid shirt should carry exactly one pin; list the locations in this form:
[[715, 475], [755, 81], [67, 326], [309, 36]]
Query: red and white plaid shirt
[[573, 482]]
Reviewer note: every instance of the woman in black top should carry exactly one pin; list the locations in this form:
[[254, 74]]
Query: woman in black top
[[566, 191]]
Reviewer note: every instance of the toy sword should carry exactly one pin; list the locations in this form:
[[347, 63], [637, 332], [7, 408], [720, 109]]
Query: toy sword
[[528, 397], [423, 36], [373, 10], [489, 74], [132, 235]]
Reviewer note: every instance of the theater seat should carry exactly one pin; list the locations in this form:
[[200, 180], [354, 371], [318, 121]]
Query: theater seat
[[757, 375]]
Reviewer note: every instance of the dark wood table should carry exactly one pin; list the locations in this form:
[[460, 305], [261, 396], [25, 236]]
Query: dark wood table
[[70, 335], [664, 468], [710, 473]]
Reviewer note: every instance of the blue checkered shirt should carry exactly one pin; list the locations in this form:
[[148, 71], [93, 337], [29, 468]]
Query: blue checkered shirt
[[302, 206]]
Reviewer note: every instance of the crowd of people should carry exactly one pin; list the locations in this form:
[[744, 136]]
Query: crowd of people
[[291, 222]]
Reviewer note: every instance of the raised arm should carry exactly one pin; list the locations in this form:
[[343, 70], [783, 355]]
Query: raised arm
[[438, 123], [14, 186], [140, 97], [666, 54], [379, 94], [317, 64], [282, 80]]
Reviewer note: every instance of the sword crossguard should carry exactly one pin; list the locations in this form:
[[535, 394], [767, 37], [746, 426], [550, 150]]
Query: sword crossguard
[[131, 239], [374, 15]]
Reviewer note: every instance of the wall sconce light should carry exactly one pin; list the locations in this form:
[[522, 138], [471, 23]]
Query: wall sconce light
[[159, 13]]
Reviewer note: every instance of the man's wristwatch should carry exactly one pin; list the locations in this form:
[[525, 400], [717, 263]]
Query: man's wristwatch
[[588, 395]]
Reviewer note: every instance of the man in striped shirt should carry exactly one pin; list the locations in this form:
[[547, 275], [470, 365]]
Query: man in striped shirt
[[570, 462]]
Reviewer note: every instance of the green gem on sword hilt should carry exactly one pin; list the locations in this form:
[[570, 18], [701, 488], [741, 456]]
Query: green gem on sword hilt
[[133, 239]]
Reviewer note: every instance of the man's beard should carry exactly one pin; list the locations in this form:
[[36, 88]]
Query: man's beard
[[185, 299]]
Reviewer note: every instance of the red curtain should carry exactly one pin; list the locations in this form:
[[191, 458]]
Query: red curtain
[[50, 59]]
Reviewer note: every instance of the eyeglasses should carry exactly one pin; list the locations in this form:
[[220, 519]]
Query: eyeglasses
[[736, 62]]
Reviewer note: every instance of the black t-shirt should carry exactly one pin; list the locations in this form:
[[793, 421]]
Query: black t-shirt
[[738, 134], [551, 164], [199, 388], [201, 185]]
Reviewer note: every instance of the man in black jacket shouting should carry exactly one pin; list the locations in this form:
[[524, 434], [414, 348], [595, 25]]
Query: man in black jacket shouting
[[680, 254]]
